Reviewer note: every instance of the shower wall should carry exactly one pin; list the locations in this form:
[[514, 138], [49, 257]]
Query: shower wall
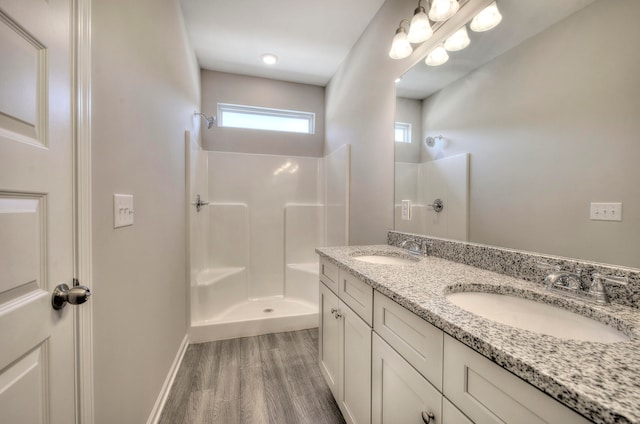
[[263, 208]]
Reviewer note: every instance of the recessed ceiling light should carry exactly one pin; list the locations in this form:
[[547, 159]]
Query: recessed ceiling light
[[269, 58]]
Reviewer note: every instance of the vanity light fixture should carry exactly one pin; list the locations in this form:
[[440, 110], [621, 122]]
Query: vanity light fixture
[[458, 41], [269, 58], [487, 19], [441, 10], [437, 57], [420, 28], [400, 47]]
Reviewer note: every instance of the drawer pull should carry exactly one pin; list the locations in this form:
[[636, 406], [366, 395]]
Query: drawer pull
[[427, 417]]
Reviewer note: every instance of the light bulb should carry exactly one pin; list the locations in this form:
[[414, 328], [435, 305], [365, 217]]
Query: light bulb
[[488, 18], [269, 58], [441, 10], [458, 41], [420, 29], [400, 47], [438, 56]]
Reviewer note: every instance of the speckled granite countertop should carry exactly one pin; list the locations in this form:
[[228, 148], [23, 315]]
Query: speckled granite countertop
[[600, 381]]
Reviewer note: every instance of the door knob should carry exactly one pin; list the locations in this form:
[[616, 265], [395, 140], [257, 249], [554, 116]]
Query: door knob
[[62, 295]]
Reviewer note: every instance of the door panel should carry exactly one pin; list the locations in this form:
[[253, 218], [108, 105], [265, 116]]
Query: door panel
[[36, 211]]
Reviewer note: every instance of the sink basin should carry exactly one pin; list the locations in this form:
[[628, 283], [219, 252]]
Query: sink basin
[[536, 317], [386, 259]]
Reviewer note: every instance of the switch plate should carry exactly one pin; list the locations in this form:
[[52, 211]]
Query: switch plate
[[606, 212], [122, 210], [406, 210]]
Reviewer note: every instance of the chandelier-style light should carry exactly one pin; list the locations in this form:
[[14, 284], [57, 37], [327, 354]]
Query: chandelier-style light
[[420, 28], [487, 19], [441, 10], [458, 41], [400, 47], [437, 57]]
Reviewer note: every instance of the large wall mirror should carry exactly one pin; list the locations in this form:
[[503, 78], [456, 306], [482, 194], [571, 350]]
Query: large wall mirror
[[540, 118]]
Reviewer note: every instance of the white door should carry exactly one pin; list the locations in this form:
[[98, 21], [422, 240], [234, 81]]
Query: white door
[[36, 221]]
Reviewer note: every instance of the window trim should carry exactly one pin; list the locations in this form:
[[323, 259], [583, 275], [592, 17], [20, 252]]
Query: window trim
[[406, 130], [310, 117]]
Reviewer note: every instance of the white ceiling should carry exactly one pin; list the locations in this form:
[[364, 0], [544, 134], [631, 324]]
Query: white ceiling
[[310, 38]]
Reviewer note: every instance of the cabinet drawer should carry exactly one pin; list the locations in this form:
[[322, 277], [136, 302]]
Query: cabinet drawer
[[357, 294], [399, 393], [419, 342], [487, 393], [329, 274]]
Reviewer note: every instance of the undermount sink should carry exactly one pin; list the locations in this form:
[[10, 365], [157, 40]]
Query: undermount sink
[[386, 259], [535, 316]]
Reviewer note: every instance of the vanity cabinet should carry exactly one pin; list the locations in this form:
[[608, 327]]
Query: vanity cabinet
[[386, 365], [400, 394], [345, 344], [489, 394]]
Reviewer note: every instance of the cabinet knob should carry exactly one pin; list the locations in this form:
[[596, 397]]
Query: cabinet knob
[[338, 315], [427, 417]]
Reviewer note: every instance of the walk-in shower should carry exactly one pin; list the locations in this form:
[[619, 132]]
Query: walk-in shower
[[254, 269]]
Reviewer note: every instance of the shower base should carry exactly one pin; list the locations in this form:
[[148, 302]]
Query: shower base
[[256, 317]]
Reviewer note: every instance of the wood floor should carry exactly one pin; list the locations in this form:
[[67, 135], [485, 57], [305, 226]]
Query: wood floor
[[272, 379]]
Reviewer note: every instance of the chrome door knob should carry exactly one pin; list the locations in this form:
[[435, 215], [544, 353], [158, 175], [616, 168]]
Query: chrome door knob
[[62, 295]]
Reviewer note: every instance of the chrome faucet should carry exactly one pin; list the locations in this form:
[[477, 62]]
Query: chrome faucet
[[578, 285], [416, 247]]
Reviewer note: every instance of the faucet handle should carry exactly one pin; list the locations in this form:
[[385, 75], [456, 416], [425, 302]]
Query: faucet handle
[[610, 278]]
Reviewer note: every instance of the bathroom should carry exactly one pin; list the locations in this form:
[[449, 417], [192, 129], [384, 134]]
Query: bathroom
[[137, 121]]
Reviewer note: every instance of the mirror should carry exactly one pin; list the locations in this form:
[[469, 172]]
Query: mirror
[[546, 105]]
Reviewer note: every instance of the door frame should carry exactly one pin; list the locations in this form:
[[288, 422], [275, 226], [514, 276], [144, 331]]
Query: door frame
[[81, 124]]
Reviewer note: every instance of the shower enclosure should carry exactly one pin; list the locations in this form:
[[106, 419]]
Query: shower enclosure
[[254, 269]]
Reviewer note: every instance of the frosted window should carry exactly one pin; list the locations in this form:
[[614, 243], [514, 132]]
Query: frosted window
[[258, 118]]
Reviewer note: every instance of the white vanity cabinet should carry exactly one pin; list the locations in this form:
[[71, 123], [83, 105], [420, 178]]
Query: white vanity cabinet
[[489, 394], [345, 344], [405, 370], [407, 366]]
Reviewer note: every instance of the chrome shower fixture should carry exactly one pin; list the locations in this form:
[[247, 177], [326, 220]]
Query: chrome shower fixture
[[431, 141], [210, 120]]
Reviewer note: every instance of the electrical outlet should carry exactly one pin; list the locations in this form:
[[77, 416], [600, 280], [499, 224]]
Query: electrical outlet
[[406, 210], [606, 212], [122, 210]]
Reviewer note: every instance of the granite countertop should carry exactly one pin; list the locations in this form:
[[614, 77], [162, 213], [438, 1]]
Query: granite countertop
[[600, 381]]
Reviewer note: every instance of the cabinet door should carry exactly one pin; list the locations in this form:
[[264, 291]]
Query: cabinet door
[[400, 394], [329, 338], [355, 367]]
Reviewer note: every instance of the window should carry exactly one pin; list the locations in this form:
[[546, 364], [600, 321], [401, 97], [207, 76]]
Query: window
[[402, 132], [261, 118]]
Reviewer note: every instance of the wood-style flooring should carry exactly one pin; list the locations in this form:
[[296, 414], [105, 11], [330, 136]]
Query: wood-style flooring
[[272, 379]]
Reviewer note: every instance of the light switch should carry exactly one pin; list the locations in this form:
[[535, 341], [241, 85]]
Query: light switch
[[606, 212], [122, 210], [406, 210]]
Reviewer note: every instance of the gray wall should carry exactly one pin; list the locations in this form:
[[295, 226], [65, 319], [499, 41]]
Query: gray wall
[[145, 89], [552, 126], [409, 111], [220, 87], [360, 105]]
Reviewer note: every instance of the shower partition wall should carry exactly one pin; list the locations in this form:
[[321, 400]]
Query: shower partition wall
[[253, 264]]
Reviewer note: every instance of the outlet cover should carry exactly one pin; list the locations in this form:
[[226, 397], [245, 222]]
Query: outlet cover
[[406, 210], [122, 210]]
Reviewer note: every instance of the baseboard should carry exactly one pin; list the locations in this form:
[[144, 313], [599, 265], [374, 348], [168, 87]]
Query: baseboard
[[166, 387]]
